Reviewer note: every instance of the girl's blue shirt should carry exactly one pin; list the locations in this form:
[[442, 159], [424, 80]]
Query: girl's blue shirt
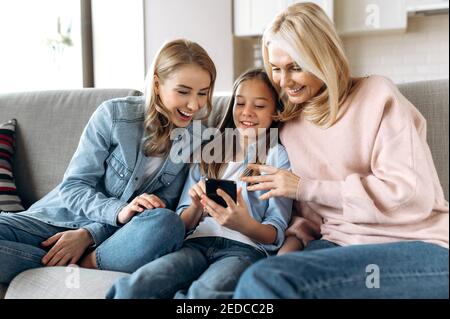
[[276, 211]]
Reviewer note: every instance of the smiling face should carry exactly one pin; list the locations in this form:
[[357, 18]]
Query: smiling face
[[254, 107], [300, 86], [184, 93]]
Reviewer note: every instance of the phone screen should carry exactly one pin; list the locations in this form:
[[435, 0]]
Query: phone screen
[[227, 186]]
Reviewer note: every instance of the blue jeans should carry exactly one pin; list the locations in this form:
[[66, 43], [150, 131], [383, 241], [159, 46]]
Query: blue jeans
[[147, 236], [205, 267], [327, 271]]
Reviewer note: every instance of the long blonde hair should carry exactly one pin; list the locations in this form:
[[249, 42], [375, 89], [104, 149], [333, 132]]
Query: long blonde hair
[[306, 33], [171, 56], [213, 170]]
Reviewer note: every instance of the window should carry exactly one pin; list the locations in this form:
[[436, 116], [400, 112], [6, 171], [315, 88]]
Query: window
[[40, 45]]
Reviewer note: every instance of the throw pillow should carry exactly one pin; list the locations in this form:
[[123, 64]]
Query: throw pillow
[[9, 200]]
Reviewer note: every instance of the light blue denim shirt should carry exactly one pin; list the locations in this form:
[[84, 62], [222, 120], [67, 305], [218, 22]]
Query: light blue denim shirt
[[276, 211], [104, 172]]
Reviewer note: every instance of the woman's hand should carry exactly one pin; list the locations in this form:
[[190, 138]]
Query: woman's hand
[[68, 247], [278, 182], [235, 216], [138, 205]]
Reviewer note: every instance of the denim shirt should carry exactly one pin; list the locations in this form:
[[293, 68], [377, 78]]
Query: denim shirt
[[276, 211], [104, 172]]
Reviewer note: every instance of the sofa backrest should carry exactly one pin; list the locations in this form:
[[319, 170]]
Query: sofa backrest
[[49, 127], [431, 99]]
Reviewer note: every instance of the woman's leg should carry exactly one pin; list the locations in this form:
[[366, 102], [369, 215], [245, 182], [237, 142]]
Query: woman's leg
[[147, 236], [220, 279], [394, 270], [20, 242], [162, 277]]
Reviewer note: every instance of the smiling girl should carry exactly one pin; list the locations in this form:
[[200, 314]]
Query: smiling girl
[[222, 242]]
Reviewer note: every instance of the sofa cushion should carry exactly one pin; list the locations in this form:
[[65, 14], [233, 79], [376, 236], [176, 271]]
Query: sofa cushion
[[431, 99], [62, 283], [9, 200]]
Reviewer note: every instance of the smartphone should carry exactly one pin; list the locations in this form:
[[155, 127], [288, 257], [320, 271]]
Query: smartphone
[[227, 186]]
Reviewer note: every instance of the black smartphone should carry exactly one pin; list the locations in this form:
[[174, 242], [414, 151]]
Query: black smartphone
[[227, 186]]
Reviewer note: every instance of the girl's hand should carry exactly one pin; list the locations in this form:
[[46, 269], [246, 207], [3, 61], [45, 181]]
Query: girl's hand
[[278, 182], [196, 193], [235, 216], [291, 243], [68, 247], [138, 205], [192, 215]]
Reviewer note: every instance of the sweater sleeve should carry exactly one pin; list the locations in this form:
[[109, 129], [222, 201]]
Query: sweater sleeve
[[399, 187]]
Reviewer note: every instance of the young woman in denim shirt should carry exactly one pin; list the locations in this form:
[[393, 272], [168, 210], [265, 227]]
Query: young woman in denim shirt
[[222, 242], [118, 191]]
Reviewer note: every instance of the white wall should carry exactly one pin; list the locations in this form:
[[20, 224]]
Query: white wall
[[118, 36], [207, 22], [422, 53]]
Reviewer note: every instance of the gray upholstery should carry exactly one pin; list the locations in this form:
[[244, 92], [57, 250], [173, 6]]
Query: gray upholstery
[[431, 98], [50, 124], [62, 283]]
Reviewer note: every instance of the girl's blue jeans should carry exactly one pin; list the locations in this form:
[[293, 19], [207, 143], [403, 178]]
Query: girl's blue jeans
[[204, 268]]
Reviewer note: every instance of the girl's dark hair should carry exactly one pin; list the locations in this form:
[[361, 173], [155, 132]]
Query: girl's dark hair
[[212, 170], [251, 74]]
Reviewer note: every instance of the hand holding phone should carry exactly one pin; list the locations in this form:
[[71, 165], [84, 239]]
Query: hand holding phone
[[227, 186]]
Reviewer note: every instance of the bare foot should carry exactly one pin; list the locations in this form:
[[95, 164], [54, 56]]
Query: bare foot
[[89, 261]]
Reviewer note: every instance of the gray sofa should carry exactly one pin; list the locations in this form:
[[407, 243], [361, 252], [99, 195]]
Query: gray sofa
[[49, 126]]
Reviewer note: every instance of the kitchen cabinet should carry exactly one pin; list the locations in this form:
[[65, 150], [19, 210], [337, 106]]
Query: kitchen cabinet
[[251, 17], [353, 17], [427, 7]]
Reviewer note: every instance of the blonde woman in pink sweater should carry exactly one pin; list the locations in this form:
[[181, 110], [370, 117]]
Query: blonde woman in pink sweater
[[371, 220]]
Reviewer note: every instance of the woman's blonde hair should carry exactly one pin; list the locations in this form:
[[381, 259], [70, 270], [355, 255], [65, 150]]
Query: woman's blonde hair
[[306, 33], [171, 56], [213, 170]]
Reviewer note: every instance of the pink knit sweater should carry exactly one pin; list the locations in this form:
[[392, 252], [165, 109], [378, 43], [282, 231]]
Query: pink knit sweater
[[370, 177]]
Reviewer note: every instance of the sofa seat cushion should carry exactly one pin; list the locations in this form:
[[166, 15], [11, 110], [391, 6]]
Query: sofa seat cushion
[[62, 283]]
